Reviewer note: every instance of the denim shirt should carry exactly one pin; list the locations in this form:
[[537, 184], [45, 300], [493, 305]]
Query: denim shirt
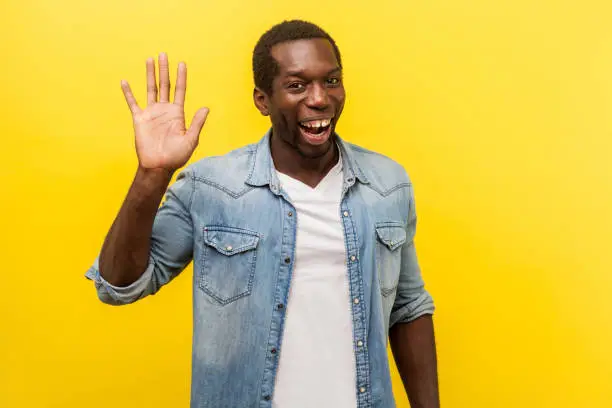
[[229, 215]]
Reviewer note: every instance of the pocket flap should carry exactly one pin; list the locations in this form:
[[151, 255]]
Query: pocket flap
[[392, 235], [230, 241]]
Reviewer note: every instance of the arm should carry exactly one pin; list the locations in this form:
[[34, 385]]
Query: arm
[[414, 350], [141, 229], [411, 332], [125, 253], [168, 249]]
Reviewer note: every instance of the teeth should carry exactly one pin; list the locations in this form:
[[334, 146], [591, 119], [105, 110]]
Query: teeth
[[313, 124]]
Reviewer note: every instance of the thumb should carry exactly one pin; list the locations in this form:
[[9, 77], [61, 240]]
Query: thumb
[[197, 123]]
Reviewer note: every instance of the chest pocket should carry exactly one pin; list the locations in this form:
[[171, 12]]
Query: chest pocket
[[227, 268], [390, 238]]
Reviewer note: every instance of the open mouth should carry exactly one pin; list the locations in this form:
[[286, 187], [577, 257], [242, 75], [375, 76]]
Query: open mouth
[[316, 131]]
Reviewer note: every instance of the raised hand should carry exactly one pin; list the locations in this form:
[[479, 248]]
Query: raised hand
[[162, 140]]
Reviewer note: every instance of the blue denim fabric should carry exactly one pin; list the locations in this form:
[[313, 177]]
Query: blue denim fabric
[[229, 215]]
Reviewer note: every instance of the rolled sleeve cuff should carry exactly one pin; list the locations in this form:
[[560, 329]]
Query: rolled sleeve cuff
[[423, 305], [119, 295]]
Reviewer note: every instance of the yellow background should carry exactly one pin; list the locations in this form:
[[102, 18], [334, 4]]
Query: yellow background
[[501, 111]]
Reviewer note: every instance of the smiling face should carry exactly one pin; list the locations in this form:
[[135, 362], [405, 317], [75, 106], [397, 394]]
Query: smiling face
[[307, 96]]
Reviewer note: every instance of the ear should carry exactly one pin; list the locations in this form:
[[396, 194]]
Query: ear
[[261, 101]]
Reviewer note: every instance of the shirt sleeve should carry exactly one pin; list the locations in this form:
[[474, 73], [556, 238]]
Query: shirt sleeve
[[412, 299], [171, 248]]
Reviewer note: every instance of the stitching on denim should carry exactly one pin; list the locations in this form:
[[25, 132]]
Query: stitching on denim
[[192, 191], [252, 159], [224, 228], [397, 187], [386, 193], [223, 188]]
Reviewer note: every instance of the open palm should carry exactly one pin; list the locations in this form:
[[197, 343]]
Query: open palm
[[162, 139]]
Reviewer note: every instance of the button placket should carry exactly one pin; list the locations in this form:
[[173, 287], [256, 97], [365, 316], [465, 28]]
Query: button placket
[[358, 311], [289, 218]]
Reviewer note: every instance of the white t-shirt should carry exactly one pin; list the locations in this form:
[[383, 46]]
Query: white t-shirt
[[317, 362]]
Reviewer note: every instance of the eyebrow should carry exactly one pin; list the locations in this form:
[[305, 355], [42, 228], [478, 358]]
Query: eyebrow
[[300, 73]]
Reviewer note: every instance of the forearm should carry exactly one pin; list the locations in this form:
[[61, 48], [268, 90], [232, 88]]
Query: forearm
[[125, 252], [414, 350]]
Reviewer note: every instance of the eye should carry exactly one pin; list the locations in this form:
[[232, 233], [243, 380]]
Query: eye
[[295, 86], [333, 81]]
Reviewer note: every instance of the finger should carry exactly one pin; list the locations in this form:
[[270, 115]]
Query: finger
[[196, 124], [151, 82], [164, 78], [181, 84], [129, 97]]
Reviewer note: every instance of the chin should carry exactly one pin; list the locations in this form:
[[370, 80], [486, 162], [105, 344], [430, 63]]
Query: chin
[[315, 150]]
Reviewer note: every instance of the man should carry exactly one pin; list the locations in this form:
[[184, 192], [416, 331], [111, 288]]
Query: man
[[302, 243]]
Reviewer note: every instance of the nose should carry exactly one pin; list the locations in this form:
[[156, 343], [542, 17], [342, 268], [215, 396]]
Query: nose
[[317, 97]]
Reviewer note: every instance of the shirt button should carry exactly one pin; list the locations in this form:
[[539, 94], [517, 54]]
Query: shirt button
[[362, 390], [280, 306], [356, 300], [287, 260], [273, 351], [290, 214], [228, 248], [267, 397], [345, 213], [353, 258], [360, 343]]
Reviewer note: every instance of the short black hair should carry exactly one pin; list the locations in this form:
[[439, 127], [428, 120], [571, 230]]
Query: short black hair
[[265, 67]]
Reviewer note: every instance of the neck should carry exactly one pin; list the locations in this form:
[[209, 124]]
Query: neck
[[288, 160]]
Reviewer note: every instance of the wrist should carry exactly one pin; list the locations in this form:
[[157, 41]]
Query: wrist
[[154, 177]]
